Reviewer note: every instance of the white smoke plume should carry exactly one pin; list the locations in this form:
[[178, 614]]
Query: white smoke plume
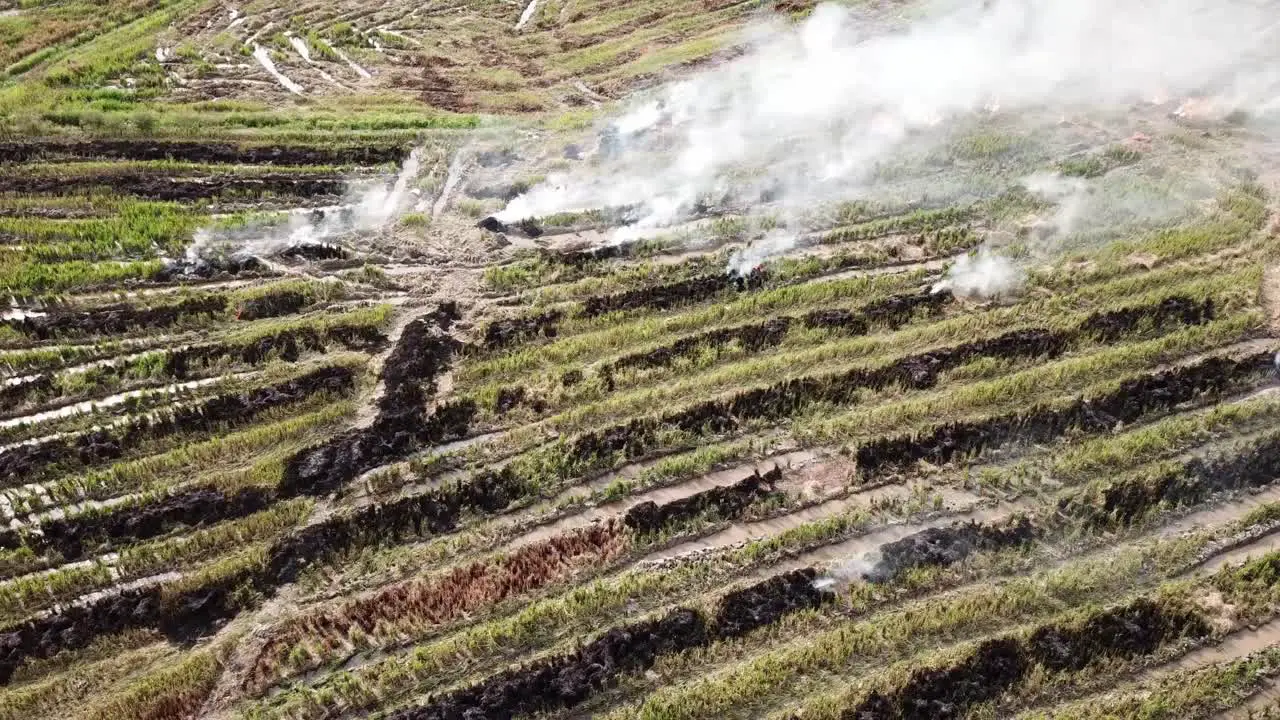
[[366, 209], [810, 109], [1068, 194], [988, 274], [850, 571], [775, 242], [983, 274], [1085, 212]]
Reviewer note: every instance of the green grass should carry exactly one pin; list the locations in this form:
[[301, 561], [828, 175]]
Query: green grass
[[1108, 456], [215, 455], [807, 658], [1040, 384], [1182, 694], [26, 278]]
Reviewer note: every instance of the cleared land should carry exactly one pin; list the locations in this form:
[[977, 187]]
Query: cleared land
[[284, 433]]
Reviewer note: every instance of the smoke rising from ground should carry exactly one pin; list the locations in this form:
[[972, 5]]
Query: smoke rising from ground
[[808, 112], [365, 209], [1067, 193], [988, 274], [775, 242], [983, 274], [851, 570]]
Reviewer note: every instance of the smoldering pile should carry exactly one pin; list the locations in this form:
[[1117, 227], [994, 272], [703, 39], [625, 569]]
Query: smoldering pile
[[932, 547], [314, 252], [528, 227], [305, 238], [303, 235], [211, 268]]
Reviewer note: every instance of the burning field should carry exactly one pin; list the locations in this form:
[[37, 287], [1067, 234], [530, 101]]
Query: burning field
[[575, 359]]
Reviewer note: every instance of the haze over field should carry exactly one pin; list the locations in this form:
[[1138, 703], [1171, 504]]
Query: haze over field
[[811, 110], [668, 360]]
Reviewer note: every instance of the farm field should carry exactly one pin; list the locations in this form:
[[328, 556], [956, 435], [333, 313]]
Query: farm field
[[582, 359]]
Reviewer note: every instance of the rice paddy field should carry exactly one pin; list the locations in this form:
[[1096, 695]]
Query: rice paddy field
[[305, 415]]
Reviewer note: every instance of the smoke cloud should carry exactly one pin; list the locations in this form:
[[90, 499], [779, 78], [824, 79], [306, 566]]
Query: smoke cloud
[[1067, 193], [984, 274], [811, 109], [365, 209], [851, 570], [988, 274], [775, 242]]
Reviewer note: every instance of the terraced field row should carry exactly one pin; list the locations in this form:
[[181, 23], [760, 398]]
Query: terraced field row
[[327, 462]]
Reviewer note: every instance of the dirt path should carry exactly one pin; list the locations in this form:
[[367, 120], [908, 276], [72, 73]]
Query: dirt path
[[236, 671], [527, 15], [457, 169], [263, 56], [444, 283]]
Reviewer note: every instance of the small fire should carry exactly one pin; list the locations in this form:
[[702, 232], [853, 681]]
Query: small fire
[[1138, 139], [1195, 108]]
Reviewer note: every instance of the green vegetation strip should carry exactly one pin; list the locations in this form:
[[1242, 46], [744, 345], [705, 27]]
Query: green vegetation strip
[[1183, 695]]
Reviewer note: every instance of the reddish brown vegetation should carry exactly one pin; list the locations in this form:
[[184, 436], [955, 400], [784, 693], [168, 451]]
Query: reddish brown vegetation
[[422, 603]]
